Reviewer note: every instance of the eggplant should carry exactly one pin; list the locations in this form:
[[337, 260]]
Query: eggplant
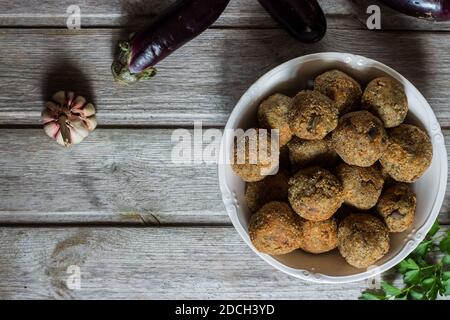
[[176, 26], [303, 19], [437, 10]]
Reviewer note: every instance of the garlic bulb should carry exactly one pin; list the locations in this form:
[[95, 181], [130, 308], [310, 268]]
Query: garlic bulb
[[68, 118]]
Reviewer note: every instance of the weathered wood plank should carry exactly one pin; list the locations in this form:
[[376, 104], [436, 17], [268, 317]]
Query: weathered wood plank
[[114, 176], [201, 81], [146, 263], [121, 13], [341, 14]]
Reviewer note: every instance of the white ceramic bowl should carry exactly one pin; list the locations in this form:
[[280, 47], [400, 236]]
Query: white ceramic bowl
[[298, 74]]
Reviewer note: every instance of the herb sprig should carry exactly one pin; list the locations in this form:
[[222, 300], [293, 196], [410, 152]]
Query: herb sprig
[[425, 276]]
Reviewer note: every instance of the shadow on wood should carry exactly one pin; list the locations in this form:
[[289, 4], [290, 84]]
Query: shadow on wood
[[66, 76]]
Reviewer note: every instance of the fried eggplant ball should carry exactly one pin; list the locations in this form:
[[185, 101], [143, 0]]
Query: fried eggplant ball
[[409, 153], [386, 98], [271, 188], [312, 115], [249, 162], [273, 114], [362, 186], [319, 236], [360, 138], [304, 153], [362, 239], [397, 206], [315, 193], [341, 88], [275, 229]]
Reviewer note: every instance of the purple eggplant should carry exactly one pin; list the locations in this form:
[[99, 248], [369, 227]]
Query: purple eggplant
[[438, 10], [304, 19], [179, 24]]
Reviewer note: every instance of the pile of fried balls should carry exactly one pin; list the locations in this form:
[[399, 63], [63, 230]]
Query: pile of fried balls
[[346, 161]]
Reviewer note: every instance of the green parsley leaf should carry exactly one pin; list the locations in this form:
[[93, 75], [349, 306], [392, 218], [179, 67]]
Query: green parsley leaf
[[416, 295], [444, 245], [446, 260], [446, 275], [403, 296], [428, 283], [434, 229], [412, 276], [421, 262], [422, 249], [432, 293], [390, 290], [371, 296], [408, 264], [446, 285]]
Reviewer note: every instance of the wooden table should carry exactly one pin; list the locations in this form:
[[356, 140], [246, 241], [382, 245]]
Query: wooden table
[[136, 224]]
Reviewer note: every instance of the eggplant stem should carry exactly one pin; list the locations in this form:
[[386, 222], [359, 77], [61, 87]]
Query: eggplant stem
[[124, 46], [121, 70], [147, 74]]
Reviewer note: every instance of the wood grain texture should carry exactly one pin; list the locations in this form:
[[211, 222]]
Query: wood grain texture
[[341, 14], [147, 263], [122, 173], [115, 176], [202, 81]]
